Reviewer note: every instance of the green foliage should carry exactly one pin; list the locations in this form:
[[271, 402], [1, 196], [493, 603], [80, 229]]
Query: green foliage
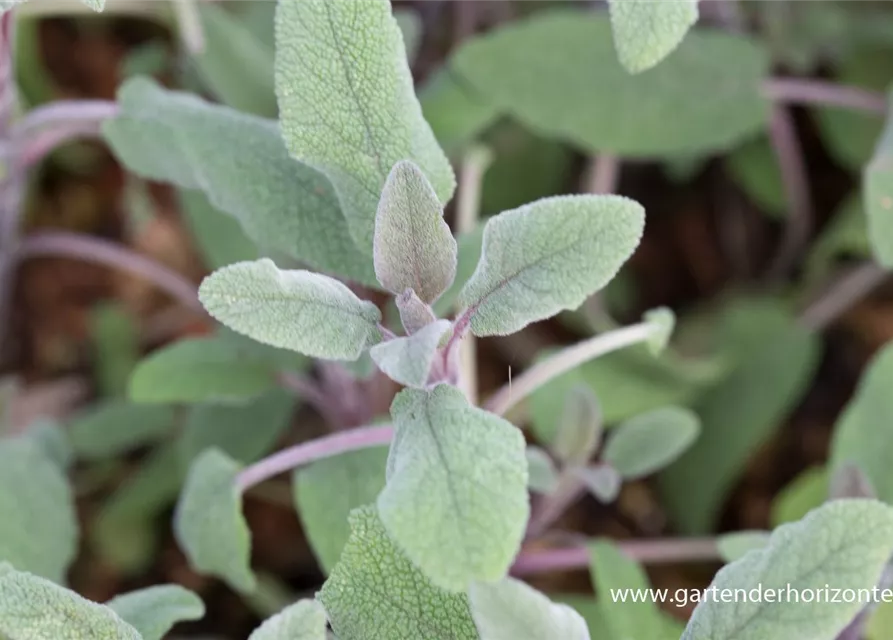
[[408, 360], [219, 237], [845, 236], [733, 546], [645, 32], [342, 75], [662, 321], [414, 314], [845, 543], [556, 72], [116, 345], [754, 167], [376, 592], [650, 441], [468, 257], [877, 186], [801, 495], [304, 620], [548, 256], [328, 490], [542, 476], [580, 428], [239, 162], [327, 320], [208, 522], [511, 610], [456, 496], [602, 481], [115, 427], [456, 111], [153, 611]]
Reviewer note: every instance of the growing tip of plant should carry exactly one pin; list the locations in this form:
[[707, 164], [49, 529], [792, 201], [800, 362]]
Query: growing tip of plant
[[663, 321]]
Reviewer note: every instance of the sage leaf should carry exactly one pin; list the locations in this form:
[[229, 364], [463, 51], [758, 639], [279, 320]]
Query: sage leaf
[[589, 609], [735, 545], [455, 110], [512, 610], [645, 32], [32, 608], [601, 480], [801, 495], [326, 492], [542, 476], [115, 341], [304, 620], [877, 186], [40, 530], [754, 167], [580, 427], [408, 360], [456, 497], [548, 256], [116, 427], [53, 441], [347, 104], [376, 592], [208, 521], [413, 246], [414, 314], [662, 321], [649, 442], [307, 312], [241, 165], [155, 610], [219, 237], [845, 543], [557, 73]]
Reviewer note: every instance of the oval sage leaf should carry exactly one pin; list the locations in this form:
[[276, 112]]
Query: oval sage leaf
[[548, 256], [645, 31], [299, 310], [650, 441], [877, 186], [408, 360], [155, 610], [304, 620]]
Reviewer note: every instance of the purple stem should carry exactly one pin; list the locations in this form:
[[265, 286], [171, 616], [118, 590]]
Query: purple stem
[[312, 393], [306, 452], [820, 93], [8, 90], [602, 174], [65, 113]]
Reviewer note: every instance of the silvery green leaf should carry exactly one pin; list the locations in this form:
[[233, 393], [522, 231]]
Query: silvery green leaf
[[327, 490], [413, 247], [877, 187], [307, 312], [579, 428], [115, 341], [219, 237], [456, 497], [456, 110], [512, 610], [801, 495], [40, 530], [32, 608], [663, 321], [548, 256], [601, 480], [347, 103], [651, 441], [408, 360], [414, 314], [116, 427], [304, 620], [154, 610], [646, 32], [733, 546], [557, 73], [208, 521], [845, 543], [542, 476], [375, 592], [240, 163]]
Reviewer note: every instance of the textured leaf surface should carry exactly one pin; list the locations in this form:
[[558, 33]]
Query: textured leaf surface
[[154, 610], [328, 490], [219, 237], [408, 360], [456, 499], [375, 592], [845, 543], [512, 610], [208, 521], [645, 31], [32, 608], [347, 103], [877, 185], [649, 442], [735, 545], [118, 426], [304, 620], [413, 245], [240, 163], [558, 74], [39, 531], [548, 256], [299, 310]]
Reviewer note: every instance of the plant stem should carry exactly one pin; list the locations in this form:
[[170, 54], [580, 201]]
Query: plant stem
[[564, 361], [64, 113], [843, 294], [189, 21], [306, 452], [820, 93], [601, 174], [90, 249]]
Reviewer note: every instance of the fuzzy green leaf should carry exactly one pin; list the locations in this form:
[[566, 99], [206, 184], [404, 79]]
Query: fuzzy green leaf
[[304, 620], [208, 521], [375, 592], [845, 543], [413, 247], [580, 427], [219, 237], [328, 490], [601, 480], [735, 545], [116, 427], [408, 360], [456, 499], [542, 476], [240, 163], [153, 611], [646, 32], [347, 103], [39, 533], [512, 610], [414, 314], [32, 608], [877, 185], [649, 442], [307, 312], [557, 73], [549, 256]]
